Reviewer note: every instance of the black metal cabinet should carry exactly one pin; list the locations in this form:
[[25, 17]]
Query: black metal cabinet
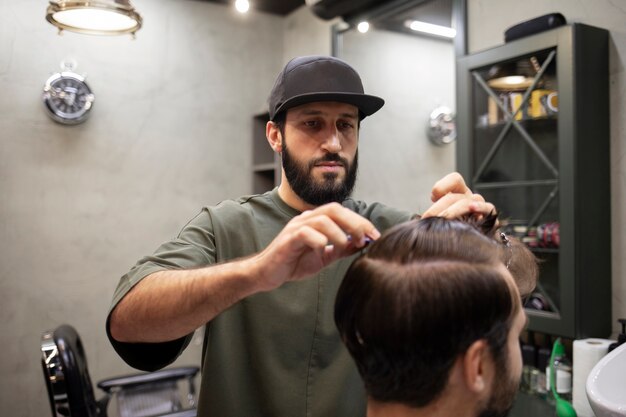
[[533, 138]]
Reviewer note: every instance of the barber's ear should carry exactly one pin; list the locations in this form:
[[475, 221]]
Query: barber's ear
[[478, 367], [274, 137]]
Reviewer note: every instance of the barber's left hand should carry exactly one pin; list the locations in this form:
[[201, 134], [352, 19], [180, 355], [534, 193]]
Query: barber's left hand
[[453, 199]]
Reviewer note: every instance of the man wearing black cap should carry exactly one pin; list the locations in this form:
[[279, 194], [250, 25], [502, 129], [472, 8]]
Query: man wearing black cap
[[262, 271]]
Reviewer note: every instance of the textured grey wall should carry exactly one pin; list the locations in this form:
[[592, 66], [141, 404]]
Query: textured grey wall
[[487, 21], [306, 34], [397, 163], [170, 131]]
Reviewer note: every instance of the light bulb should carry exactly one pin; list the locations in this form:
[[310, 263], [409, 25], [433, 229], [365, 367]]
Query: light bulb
[[242, 6], [363, 27]]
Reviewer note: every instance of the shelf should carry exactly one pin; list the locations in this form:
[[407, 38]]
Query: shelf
[[270, 166], [508, 184], [528, 405], [540, 313], [265, 162], [552, 166], [544, 250], [263, 181], [538, 123]]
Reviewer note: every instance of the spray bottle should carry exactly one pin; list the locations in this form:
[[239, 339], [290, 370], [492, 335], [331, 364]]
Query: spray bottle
[[563, 407]]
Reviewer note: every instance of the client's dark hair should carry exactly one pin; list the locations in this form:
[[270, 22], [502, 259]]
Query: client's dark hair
[[519, 260], [417, 299]]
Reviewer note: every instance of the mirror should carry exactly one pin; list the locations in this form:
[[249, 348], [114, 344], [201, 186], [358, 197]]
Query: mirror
[[415, 73]]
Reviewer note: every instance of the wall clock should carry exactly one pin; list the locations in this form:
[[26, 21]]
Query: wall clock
[[67, 97]]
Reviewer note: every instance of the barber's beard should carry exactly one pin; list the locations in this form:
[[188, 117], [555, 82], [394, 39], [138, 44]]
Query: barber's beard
[[504, 390], [319, 192]]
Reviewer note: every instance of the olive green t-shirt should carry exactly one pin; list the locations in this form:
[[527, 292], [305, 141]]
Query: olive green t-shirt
[[276, 353]]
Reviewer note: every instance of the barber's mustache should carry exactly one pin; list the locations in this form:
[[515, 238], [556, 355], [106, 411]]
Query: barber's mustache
[[330, 157]]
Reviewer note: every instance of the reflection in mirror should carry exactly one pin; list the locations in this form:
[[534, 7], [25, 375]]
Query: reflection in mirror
[[513, 115], [415, 73]]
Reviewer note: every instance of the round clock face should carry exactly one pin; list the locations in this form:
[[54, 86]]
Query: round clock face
[[67, 98]]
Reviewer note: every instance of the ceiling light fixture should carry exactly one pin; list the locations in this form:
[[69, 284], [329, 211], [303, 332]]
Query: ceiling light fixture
[[94, 17], [424, 27], [242, 6]]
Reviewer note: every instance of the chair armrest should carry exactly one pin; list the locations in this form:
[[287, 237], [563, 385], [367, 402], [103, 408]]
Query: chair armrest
[[128, 381]]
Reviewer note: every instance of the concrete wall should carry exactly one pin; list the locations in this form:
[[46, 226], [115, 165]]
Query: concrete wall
[[306, 34], [169, 132], [487, 21], [397, 163]]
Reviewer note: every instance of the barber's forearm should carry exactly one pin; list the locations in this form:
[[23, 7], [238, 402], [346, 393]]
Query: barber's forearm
[[167, 305]]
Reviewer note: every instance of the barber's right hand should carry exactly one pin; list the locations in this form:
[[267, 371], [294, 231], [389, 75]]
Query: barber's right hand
[[453, 199], [309, 242]]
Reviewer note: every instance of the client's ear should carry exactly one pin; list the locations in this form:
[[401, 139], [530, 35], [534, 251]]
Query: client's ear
[[478, 367]]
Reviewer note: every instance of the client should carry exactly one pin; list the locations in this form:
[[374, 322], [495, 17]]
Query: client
[[432, 317]]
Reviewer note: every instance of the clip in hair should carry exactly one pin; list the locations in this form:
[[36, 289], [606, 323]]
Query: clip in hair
[[506, 242], [367, 240]]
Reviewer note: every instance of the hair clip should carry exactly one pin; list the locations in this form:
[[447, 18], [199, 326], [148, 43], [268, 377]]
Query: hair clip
[[506, 242], [367, 240]]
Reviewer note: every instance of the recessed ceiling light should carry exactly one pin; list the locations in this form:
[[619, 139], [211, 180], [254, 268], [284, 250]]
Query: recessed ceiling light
[[363, 27], [242, 6]]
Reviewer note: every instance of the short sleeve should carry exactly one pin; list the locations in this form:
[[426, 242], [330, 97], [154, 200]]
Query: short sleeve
[[194, 247]]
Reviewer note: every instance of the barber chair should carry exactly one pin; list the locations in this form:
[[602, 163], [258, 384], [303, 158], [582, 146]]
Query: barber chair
[[71, 392]]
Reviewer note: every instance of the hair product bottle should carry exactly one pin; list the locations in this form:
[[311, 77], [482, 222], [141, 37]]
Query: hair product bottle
[[563, 372]]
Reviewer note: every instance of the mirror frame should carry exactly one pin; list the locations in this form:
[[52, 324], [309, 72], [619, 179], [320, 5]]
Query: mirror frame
[[459, 21]]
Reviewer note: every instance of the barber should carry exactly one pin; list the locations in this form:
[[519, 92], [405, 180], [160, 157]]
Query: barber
[[262, 271]]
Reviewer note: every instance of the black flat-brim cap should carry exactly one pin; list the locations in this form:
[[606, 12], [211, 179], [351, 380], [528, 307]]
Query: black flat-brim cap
[[309, 79]]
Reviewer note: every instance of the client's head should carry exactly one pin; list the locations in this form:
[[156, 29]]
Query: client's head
[[432, 317]]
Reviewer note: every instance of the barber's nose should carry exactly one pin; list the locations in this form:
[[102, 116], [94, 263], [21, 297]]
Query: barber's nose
[[332, 143]]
